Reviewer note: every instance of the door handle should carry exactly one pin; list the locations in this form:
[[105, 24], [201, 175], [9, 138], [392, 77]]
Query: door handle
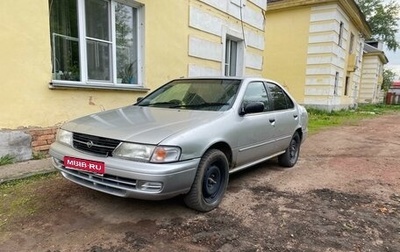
[[272, 120], [295, 117]]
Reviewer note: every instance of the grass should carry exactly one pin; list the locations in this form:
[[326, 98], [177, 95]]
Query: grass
[[19, 199], [319, 119], [7, 159], [39, 155]]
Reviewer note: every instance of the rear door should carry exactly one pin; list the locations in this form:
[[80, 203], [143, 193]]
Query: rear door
[[285, 114]]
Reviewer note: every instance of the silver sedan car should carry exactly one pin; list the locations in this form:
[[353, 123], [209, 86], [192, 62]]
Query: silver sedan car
[[186, 137]]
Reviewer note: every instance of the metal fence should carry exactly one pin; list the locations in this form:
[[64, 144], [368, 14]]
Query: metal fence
[[392, 98]]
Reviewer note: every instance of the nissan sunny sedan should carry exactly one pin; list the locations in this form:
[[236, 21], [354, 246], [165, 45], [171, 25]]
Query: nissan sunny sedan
[[186, 137]]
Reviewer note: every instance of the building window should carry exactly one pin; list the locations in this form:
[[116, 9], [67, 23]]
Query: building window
[[346, 86], [231, 57], [351, 46], [341, 28], [95, 43], [336, 85], [361, 52]]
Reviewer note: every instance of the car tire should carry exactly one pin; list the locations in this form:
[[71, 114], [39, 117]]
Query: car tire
[[210, 183], [289, 158]]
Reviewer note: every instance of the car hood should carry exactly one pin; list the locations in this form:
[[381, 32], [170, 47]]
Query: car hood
[[140, 124]]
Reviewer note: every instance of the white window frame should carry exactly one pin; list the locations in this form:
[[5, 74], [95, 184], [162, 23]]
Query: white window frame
[[84, 81], [238, 38], [229, 55]]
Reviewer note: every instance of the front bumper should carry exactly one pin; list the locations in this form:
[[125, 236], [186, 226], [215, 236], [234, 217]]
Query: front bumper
[[127, 178]]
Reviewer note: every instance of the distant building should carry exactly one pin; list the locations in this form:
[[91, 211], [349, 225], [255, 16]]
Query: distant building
[[315, 49], [372, 73], [393, 94], [395, 88]]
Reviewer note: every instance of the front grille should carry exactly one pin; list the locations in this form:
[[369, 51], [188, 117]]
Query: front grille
[[95, 144], [106, 183], [106, 179]]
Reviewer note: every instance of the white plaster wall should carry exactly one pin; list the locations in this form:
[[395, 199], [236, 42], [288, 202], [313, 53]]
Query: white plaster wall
[[233, 8], [249, 33], [321, 70], [318, 91], [196, 70], [254, 61], [255, 39], [325, 59], [327, 102], [318, 81], [323, 38], [205, 49], [205, 21], [327, 26]]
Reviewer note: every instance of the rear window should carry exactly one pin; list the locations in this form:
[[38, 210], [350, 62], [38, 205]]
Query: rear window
[[279, 98]]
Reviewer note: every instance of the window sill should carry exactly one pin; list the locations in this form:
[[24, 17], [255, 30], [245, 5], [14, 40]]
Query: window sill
[[77, 86]]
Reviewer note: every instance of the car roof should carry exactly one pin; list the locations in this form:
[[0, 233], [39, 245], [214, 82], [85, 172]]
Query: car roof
[[242, 78]]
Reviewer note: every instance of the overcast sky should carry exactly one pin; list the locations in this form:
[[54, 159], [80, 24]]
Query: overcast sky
[[394, 57]]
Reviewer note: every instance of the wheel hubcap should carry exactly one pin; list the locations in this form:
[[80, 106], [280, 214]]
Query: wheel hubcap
[[212, 183]]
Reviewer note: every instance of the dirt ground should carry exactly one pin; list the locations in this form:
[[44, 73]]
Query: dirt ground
[[343, 195]]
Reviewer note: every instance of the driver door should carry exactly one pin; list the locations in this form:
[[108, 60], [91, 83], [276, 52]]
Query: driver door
[[256, 136]]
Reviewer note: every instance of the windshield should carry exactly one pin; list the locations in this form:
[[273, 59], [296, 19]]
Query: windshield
[[197, 94]]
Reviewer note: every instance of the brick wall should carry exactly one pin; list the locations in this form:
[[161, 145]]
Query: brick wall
[[42, 138]]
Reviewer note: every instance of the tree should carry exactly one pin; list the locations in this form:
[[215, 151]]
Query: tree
[[388, 77], [383, 19]]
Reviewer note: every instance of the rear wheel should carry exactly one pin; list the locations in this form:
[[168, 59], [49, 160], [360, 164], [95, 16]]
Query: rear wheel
[[210, 183], [289, 158]]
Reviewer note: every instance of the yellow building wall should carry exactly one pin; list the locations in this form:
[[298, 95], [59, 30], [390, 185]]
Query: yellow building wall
[[166, 41], [25, 64], [286, 45]]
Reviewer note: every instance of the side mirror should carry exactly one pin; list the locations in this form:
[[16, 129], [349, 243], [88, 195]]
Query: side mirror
[[139, 99], [252, 107]]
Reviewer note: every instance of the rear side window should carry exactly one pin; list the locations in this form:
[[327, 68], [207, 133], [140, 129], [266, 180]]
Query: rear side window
[[280, 99]]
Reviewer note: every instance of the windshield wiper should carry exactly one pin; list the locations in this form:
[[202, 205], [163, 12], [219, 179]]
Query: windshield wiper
[[201, 105], [162, 104]]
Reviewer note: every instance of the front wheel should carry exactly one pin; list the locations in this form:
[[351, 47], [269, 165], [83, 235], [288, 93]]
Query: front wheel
[[210, 183], [289, 158]]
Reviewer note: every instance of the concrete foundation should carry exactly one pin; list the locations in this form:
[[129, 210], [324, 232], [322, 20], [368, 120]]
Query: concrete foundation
[[16, 144]]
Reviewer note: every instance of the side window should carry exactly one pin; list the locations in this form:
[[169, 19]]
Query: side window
[[256, 92], [280, 99]]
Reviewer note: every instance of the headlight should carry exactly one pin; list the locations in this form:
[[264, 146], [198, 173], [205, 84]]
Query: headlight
[[64, 137], [133, 151], [147, 153]]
